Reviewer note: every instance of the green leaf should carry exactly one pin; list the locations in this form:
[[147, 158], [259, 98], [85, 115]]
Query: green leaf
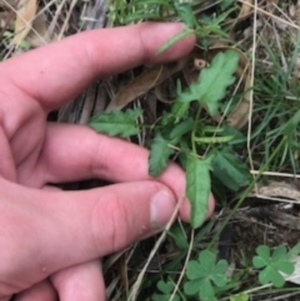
[[179, 237], [192, 287], [264, 252], [219, 275], [181, 129], [206, 275], [213, 81], [117, 123], [179, 109], [273, 265], [239, 138], [185, 13], [208, 261], [164, 287], [279, 253], [258, 262], [269, 274], [284, 266], [198, 189], [230, 170], [194, 270], [206, 290], [159, 155]]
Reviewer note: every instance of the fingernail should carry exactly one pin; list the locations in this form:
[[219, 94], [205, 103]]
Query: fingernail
[[162, 207]]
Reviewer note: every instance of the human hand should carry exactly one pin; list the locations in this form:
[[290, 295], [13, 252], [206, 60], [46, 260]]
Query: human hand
[[51, 240]]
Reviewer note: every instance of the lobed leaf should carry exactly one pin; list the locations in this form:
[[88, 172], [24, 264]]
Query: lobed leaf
[[213, 81], [198, 188], [117, 123], [159, 155]]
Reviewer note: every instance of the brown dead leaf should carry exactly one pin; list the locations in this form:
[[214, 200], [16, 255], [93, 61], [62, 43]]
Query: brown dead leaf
[[25, 15], [143, 83], [280, 189]]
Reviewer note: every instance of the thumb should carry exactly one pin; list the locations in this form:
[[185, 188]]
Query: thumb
[[46, 231]]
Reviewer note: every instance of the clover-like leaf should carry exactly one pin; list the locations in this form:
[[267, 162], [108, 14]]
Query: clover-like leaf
[[117, 123], [195, 270], [204, 275], [272, 265], [165, 288], [206, 290], [219, 272]]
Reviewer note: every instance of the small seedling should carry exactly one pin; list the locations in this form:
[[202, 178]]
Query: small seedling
[[204, 275], [165, 289]]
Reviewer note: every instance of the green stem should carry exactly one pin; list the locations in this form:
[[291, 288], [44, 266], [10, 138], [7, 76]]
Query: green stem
[[247, 191]]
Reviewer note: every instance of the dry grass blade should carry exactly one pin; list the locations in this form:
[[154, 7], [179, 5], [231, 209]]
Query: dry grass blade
[[25, 15]]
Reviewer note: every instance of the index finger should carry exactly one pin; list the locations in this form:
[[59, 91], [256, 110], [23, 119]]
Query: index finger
[[56, 73]]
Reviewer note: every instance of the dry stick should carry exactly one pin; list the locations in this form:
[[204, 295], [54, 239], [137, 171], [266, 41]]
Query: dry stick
[[55, 18], [251, 93], [72, 6], [187, 259], [136, 286], [276, 174]]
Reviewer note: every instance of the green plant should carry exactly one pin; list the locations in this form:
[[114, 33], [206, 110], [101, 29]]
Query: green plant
[[182, 131], [204, 275], [271, 265], [165, 289]]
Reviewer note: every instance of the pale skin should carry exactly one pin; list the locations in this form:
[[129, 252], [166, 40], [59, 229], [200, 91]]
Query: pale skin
[[52, 241]]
